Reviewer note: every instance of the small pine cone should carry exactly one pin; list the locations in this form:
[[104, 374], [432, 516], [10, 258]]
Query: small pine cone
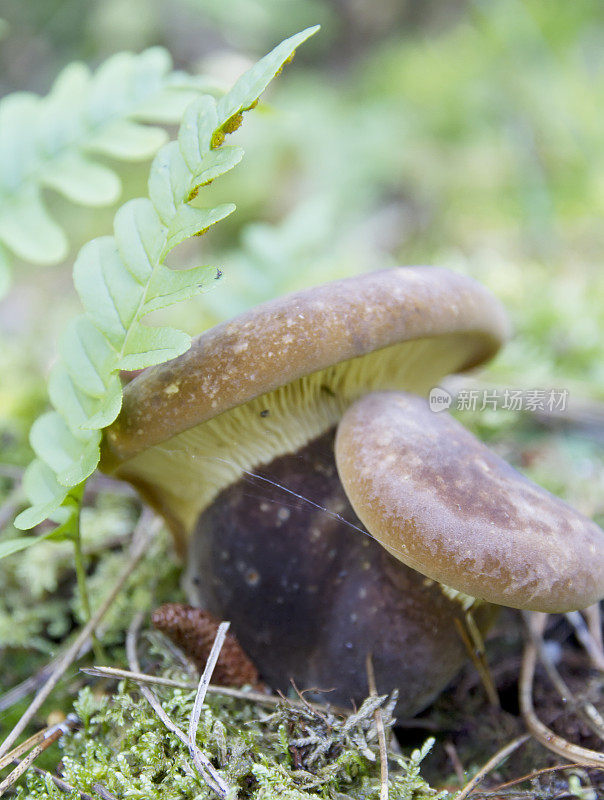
[[194, 630]]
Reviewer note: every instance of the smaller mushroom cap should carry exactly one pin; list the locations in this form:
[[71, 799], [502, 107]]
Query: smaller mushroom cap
[[444, 504]]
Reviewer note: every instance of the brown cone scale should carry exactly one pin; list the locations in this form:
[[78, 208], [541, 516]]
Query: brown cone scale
[[194, 631]]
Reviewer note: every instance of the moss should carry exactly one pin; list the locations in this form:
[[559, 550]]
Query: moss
[[295, 753], [39, 600]]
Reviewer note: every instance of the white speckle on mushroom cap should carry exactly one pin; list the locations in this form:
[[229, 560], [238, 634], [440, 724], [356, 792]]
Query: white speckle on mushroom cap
[[445, 505]]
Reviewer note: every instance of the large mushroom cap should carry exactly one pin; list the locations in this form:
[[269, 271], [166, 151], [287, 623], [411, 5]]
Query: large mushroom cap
[[274, 378], [445, 505]]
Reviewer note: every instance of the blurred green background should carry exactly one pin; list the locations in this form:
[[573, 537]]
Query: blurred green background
[[468, 135], [462, 134]]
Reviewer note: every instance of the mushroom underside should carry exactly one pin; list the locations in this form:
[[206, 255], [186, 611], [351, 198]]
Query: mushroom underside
[[182, 475]]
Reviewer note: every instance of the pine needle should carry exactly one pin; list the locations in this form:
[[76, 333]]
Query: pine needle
[[204, 681], [44, 739], [211, 777], [228, 691], [381, 733]]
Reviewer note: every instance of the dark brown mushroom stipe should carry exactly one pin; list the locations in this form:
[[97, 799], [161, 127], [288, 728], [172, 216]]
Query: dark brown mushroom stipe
[[308, 596]]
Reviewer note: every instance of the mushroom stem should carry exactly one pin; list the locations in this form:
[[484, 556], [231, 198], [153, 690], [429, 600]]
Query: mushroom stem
[[308, 596]]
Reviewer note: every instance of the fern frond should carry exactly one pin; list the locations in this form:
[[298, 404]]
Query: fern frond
[[56, 141], [121, 278]]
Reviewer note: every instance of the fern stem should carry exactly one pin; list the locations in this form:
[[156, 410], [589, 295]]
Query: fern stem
[[83, 589]]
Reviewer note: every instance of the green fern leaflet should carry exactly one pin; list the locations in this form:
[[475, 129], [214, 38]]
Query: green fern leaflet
[[56, 142], [121, 278]]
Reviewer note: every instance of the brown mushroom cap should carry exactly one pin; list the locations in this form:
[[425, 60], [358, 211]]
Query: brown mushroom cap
[[444, 504], [274, 378]]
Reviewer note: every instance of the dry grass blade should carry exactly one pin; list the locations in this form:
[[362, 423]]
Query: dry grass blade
[[204, 682], [48, 737], [381, 733], [151, 526], [228, 691], [491, 764], [470, 636], [211, 777], [591, 645], [588, 711], [543, 734]]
